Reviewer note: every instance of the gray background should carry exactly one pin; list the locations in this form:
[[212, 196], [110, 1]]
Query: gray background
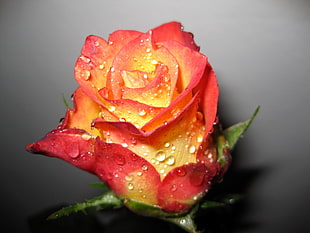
[[259, 50]]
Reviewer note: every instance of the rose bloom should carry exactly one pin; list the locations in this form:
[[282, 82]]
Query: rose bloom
[[144, 118]]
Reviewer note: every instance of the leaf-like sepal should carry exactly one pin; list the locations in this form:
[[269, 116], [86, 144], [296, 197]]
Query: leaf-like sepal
[[233, 133], [106, 200]]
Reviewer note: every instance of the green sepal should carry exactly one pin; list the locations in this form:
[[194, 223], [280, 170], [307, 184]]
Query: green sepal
[[182, 220], [186, 222], [99, 185], [228, 199], [149, 210], [106, 200], [66, 102], [233, 133]]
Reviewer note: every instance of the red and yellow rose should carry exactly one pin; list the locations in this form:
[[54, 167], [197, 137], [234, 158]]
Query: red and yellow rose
[[143, 118]]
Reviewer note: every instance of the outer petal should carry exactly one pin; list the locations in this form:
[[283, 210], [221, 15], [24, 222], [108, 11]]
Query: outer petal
[[173, 144], [84, 112], [128, 175], [72, 145], [183, 186], [210, 97], [173, 31]]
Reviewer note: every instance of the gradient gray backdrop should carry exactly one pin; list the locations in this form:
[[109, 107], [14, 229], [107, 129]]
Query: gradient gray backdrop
[[259, 50]]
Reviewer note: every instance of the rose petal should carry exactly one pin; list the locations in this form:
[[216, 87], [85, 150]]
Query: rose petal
[[173, 31], [93, 65], [128, 175], [140, 54], [183, 186], [84, 112], [157, 93], [72, 145], [172, 144], [191, 64], [210, 90], [131, 111]]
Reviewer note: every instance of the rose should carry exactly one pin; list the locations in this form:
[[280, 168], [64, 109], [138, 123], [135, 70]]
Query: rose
[[143, 118]]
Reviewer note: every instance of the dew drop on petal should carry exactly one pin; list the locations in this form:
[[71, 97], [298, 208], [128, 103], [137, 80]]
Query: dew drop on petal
[[129, 177], [199, 138], [173, 188], [197, 180], [86, 137], [180, 171], [142, 112], [139, 173], [192, 149], [160, 156], [165, 123], [112, 108], [85, 59], [170, 160], [120, 160], [130, 186], [85, 74], [73, 151], [167, 144], [145, 168]]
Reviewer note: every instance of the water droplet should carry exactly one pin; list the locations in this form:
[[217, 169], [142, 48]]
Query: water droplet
[[180, 171], [173, 148], [199, 138], [85, 59], [165, 123], [148, 50], [182, 221], [129, 177], [173, 188], [85, 74], [160, 156], [112, 69], [130, 186], [112, 108], [139, 173], [120, 160], [192, 149], [124, 145], [133, 141], [197, 179], [110, 42], [145, 168], [86, 136], [170, 160], [140, 190], [162, 171], [142, 112], [167, 144], [73, 151], [211, 131], [216, 121], [122, 119], [101, 66], [134, 157]]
